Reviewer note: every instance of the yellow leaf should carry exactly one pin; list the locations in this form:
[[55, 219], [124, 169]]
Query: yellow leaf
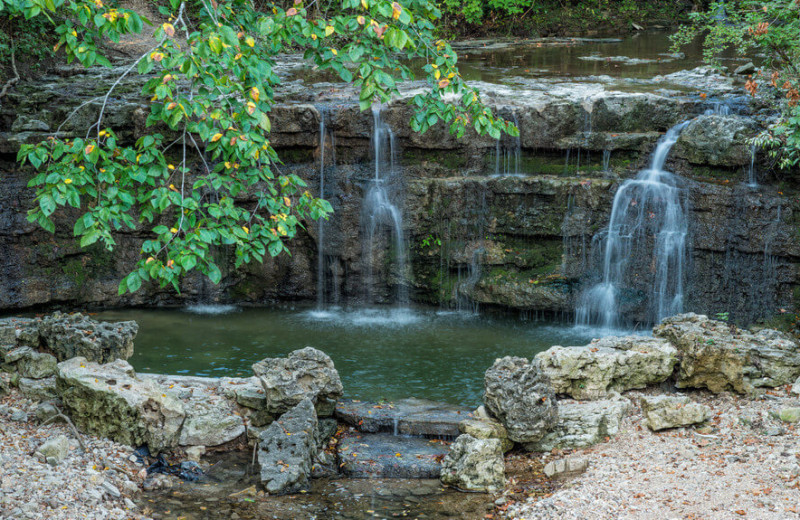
[[245, 229], [169, 29], [329, 30], [396, 10], [251, 107], [365, 4], [437, 74], [216, 137], [67, 181], [250, 41], [173, 230], [334, 52], [89, 149], [287, 201], [361, 20]]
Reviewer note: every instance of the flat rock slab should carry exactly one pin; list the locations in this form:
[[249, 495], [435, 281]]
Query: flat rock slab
[[404, 417], [380, 455]]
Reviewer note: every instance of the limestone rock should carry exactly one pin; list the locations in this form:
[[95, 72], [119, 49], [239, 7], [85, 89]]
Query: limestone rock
[[304, 374], [286, 450], [519, 395], [38, 389], [37, 365], [18, 330], [110, 401], [565, 467], [383, 455], [796, 387], [57, 448], [717, 140], [405, 416], [70, 335], [747, 68], [790, 415], [583, 423], [612, 364], [665, 411], [474, 465], [719, 356], [487, 428]]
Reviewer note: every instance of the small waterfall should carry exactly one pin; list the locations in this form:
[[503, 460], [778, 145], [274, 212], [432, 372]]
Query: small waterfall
[[507, 155], [321, 222], [606, 160], [752, 181], [380, 212], [648, 222]]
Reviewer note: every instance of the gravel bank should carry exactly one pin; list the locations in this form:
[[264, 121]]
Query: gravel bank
[[97, 484], [744, 464]]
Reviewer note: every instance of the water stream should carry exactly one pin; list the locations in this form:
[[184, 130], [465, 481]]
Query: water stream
[[381, 211], [648, 221]]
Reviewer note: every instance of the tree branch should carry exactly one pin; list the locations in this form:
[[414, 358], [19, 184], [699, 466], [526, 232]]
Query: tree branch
[[13, 81]]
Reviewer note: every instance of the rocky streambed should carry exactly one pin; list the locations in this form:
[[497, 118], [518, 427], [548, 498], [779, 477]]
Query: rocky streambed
[[283, 443]]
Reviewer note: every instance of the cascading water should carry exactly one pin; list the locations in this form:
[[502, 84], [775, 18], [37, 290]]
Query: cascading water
[[380, 211], [321, 223], [507, 155], [752, 181], [649, 222]]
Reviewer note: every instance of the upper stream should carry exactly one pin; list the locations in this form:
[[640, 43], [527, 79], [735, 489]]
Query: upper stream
[[379, 353]]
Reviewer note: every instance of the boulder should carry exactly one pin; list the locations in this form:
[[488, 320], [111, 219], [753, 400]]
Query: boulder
[[286, 450], [38, 389], [612, 364], [790, 415], [70, 335], [37, 365], [519, 395], [796, 387], [56, 449], [304, 374], [720, 356], [583, 423], [561, 468], [474, 465], [487, 428], [110, 401], [405, 416], [14, 330], [717, 140], [665, 411]]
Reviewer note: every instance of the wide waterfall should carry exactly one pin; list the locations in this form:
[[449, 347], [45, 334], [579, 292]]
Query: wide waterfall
[[381, 211], [645, 241]]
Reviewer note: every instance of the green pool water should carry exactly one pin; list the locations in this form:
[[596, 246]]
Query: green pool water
[[380, 353]]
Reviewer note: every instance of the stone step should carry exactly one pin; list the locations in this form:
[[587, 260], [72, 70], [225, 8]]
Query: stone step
[[381, 455], [404, 417]]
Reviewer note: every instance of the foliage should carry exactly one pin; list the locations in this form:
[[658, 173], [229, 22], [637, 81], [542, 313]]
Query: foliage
[[207, 176], [770, 30]]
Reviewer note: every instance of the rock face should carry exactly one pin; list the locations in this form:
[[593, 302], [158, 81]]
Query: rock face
[[286, 450], [717, 140], [519, 395], [304, 374], [665, 411], [612, 364], [486, 428], [110, 401], [474, 465], [583, 423], [721, 357], [55, 450], [71, 335]]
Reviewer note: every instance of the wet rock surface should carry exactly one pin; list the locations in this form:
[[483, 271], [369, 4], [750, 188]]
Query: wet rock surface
[[720, 356], [519, 395], [717, 140], [380, 455], [612, 364], [404, 417]]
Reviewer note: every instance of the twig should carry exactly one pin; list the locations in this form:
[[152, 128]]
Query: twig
[[60, 415], [13, 81]]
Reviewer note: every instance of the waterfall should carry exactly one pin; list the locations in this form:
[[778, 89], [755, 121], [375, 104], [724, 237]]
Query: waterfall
[[751, 171], [380, 211], [321, 222], [648, 222], [606, 160], [507, 157]]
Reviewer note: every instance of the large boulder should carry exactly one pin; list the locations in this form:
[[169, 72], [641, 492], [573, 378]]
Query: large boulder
[[474, 465], [612, 364], [583, 423], [668, 411], [110, 401], [304, 374], [70, 335], [717, 140], [519, 395], [720, 356], [286, 450]]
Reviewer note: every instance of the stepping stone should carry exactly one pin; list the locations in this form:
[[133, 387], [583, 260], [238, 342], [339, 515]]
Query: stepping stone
[[380, 455], [404, 417]]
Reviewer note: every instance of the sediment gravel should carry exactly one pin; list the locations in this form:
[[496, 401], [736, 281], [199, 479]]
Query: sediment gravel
[[96, 484], [744, 464]]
